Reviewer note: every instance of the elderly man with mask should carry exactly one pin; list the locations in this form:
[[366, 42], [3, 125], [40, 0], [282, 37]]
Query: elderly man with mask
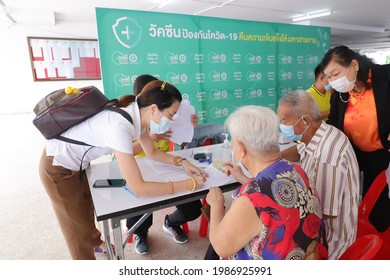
[[327, 157]]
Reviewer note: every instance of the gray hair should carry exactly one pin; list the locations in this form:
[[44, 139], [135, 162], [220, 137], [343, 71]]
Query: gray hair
[[301, 102], [256, 127]]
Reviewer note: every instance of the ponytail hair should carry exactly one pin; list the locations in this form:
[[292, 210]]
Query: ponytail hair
[[157, 92], [125, 100]]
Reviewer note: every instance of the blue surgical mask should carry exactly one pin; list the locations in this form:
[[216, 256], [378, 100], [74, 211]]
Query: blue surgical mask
[[288, 132], [160, 128], [238, 163], [328, 87]]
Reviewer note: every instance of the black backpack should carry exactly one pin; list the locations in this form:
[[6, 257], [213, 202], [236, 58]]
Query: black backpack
[[64, 108]]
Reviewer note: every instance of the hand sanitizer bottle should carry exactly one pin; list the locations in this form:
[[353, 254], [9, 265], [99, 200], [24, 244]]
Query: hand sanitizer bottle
[[226, 154]]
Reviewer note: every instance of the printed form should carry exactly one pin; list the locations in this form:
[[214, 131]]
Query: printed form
[[182, 128]]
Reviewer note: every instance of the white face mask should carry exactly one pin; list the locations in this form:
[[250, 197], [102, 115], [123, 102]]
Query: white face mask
[[160, 128], [239, 163], [343, 84]]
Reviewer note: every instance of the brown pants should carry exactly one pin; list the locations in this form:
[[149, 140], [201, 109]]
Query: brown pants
[[72, 203]]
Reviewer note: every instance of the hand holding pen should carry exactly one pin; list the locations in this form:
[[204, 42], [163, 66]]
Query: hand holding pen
[[200, 179], [236, 171], [193, 170]]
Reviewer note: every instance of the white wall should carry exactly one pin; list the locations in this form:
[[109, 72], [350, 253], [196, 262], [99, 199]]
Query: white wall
[[19, 93], [379, 56]]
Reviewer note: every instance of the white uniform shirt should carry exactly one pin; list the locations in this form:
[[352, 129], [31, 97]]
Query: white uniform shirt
[[106, 131], [331, 166]]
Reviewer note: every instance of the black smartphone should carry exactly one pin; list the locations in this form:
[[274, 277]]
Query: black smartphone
[[109, 183]]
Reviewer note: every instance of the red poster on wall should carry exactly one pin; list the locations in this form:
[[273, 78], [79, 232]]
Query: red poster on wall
[[54, 59]]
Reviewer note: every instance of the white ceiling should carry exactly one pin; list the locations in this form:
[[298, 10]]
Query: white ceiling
[[360, 24]]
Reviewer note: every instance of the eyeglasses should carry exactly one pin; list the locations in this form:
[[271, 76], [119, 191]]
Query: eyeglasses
[[295, 123], [170, 117]]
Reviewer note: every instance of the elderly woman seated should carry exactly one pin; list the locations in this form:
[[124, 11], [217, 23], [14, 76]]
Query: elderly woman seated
[[274, 215]]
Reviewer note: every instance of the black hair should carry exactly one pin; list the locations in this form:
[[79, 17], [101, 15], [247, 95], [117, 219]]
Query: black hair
[[157, 92], [318, 71], [344, 56], [141, 81]]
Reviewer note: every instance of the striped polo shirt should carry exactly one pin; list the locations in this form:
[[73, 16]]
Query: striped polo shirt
[[330, 163]]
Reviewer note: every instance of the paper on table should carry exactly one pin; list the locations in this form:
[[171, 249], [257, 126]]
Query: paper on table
[[162, 168], [216, 177], [182, 128]]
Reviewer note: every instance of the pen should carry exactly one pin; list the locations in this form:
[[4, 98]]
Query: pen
[[129, 191]]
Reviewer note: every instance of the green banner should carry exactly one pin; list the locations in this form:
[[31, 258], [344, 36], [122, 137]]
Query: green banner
[[217, 64]]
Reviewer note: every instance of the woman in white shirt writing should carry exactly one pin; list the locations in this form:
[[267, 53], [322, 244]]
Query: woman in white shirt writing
[[109, 132]]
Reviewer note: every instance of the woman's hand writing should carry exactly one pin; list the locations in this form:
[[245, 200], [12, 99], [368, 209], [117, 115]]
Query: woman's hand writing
[[192, 169], [199, 179]]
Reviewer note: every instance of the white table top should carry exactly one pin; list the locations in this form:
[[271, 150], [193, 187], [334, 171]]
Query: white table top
[[116, 202]]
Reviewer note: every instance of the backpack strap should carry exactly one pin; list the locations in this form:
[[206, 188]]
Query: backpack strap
[[72, 141], [110, 108], [120, 111]]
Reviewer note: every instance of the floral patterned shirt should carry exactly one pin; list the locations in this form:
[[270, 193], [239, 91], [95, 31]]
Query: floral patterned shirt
[[291, 214]]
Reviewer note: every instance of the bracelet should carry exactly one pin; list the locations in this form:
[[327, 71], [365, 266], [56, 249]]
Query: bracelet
[[194, 182], [181, 161], [176, 160], [171, 187]]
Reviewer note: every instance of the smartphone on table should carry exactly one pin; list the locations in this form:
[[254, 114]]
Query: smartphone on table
[[109, 183]]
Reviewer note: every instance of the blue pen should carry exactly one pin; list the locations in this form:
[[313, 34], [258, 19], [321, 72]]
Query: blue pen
[[130, 192]]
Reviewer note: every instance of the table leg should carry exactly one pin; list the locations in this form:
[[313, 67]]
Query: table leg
[[135, 226], [117, 236]]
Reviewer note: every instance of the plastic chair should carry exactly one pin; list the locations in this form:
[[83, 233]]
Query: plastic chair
[[364, 225], [203, 224], [172, 146], [364, 248]]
